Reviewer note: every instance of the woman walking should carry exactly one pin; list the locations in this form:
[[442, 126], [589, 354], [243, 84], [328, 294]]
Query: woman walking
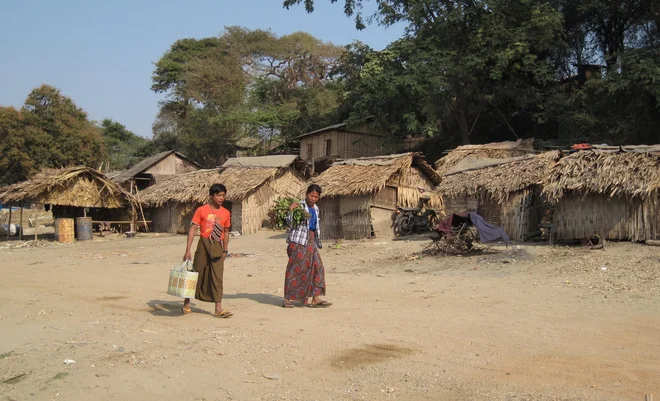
[[213, 222], [305, 275]]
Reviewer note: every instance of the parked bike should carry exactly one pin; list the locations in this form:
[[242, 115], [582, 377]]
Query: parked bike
[[408, 220]]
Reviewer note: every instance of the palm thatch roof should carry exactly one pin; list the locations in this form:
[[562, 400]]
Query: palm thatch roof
[[495, 150], [73, 186], [499, 178], [368, 175], [623, 173], [121, 177], [242, 176]]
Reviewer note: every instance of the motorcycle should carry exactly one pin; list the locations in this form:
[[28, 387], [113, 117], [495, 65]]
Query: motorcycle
[[414, 219]]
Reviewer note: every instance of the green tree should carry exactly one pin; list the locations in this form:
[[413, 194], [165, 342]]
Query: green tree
[[123, 147], [491, 68], [16, 162], [65, 136], [461, 62], [244, 83], [48, 131]]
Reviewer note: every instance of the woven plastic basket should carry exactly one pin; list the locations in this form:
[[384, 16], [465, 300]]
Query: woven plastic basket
[[183, 282]]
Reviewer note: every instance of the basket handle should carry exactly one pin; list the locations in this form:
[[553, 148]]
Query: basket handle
[[186, 265]]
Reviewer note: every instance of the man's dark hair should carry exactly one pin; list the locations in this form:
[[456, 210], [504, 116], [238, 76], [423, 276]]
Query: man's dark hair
[[314, 188], [216, 189]]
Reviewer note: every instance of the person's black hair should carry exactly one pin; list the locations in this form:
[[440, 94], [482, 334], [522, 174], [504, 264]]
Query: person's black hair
[[313, 188], [216, 189]]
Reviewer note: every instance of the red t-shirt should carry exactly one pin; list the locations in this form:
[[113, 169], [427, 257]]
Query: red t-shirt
[[206, 216]]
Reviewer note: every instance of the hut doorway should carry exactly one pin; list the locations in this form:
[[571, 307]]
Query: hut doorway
[[383, 204]]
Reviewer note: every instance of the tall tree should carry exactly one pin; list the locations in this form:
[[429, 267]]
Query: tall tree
[[123, 147], [503, 66], [48, 131], [16, 161], [459, 62], [242, 83]]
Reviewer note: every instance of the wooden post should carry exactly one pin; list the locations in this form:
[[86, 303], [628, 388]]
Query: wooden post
[[20, 232], [36, 223], [9, 223], [133, 211]]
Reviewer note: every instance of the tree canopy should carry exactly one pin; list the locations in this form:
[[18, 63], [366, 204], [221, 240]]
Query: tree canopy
[[48, 131], [477, 71], [244, 84]]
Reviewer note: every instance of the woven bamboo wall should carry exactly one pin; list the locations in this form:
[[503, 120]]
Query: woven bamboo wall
[[237, 217], [489, 208], [617, 218], [173, 217], [455, 205], [356, 225], [254, 209], [330, 218], [513, 215], [344, 145]]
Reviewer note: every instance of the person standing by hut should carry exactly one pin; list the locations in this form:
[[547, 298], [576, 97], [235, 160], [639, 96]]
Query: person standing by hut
[[305, 275], [213, 222]]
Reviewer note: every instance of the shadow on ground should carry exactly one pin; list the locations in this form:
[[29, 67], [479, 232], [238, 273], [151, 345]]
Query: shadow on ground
[[266, 299], [171, 308]]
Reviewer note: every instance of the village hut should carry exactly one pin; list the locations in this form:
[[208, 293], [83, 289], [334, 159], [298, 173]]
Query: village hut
[[608, 192], [78, 187], [253, 185], [495, 150], [506, 192], [149, 170], [360, 195], [74, 192]]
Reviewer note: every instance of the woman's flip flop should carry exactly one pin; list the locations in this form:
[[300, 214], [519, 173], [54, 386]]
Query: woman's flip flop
[[322, 304]]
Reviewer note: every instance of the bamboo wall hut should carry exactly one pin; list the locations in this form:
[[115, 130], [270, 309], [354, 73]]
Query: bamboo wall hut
[[495, 150], [253, 185], [609, 193], [149, 170], [506, 192], [359, 195], [73, 192]]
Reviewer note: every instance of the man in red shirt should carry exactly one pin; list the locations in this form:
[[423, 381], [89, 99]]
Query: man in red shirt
[[213, 222]]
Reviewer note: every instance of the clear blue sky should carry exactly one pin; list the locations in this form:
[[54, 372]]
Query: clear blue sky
[[101, 53]]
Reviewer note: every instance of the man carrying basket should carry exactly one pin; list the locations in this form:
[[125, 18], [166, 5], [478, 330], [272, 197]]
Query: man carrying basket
[[213, 222]]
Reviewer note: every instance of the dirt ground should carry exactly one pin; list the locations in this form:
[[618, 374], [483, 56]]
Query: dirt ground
[[517, 323]]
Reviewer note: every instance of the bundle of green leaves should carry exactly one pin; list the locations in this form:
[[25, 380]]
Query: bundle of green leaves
[[280, 211]]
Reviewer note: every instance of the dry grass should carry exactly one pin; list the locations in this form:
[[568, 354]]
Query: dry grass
[[500, 180], [194, 186], [612, 174], [368, 175], [73, 186], [499, 150]]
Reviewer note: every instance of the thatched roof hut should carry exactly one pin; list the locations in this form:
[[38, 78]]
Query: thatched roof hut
[[359, 195], [368, 175], [253, 184], [630, 174], [82, 187], [495, 150], [609, 193], [604, 191], [503, 191], [499, 177]]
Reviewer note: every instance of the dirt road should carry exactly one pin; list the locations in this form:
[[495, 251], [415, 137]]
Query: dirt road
[[524, 323]]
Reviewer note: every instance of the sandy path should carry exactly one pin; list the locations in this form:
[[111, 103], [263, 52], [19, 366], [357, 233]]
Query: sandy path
[[496, 326]]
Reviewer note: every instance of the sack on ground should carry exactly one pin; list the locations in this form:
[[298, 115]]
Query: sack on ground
[[183, 282]]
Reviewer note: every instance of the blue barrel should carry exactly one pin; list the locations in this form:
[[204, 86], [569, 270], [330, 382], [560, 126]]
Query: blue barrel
[[84, 228]]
